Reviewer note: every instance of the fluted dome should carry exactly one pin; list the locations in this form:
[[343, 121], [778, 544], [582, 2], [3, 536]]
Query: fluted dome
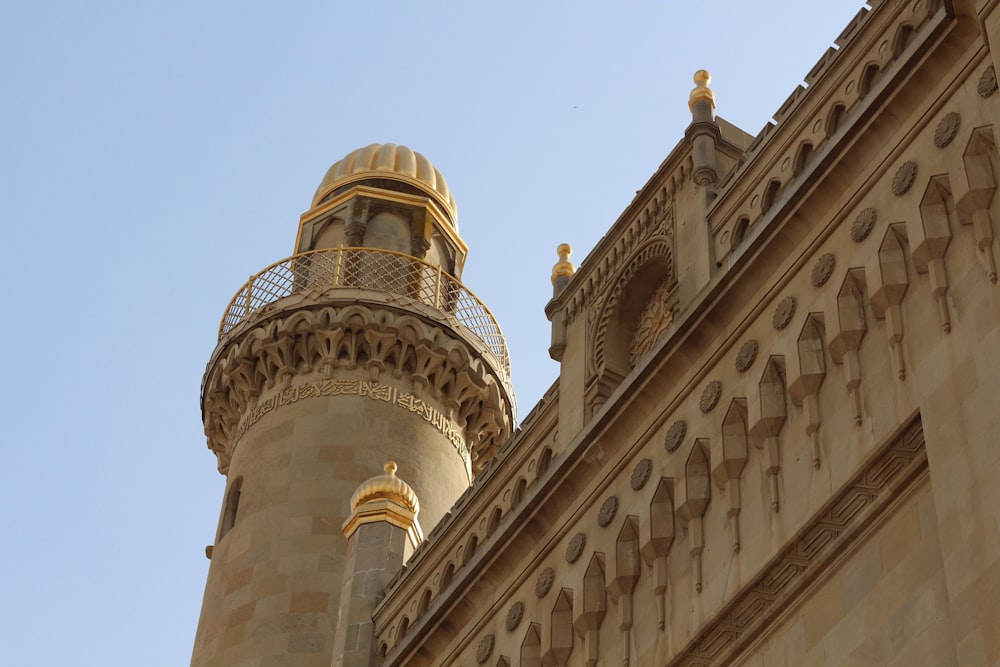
[[386, 487], [389, 161]]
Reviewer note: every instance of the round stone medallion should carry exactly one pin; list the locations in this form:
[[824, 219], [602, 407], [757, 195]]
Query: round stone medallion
[[575, 547], [675, 435], [823, 270], [947, 129], [485, 649], [607, 512], [640, 474], [783, 313], [746, 356], [544, 582], [710, 396], [863, 225], [903, 180], [987, 82], [514, 616]]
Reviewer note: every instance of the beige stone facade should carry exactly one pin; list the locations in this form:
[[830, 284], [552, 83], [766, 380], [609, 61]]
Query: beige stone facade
[[773, 438]]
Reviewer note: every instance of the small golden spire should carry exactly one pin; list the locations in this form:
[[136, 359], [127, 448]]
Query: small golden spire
[[564, 267], [702, 91]]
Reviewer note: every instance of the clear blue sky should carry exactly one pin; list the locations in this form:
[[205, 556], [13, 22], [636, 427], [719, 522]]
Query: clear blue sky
[[155, 154]]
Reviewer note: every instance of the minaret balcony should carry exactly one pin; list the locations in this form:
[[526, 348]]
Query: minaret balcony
[[369, 269]]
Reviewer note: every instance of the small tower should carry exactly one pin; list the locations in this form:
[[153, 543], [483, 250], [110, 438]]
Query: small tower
[[361, 347], [381, 533]]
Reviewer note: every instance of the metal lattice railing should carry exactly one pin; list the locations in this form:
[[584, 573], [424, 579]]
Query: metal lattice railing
[[368, 268]]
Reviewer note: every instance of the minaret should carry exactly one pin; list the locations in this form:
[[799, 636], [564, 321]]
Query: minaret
[[361, 347]]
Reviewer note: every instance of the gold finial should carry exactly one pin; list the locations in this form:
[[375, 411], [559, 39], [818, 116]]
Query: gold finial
[[386, 487], [564, 267], [702, 91]]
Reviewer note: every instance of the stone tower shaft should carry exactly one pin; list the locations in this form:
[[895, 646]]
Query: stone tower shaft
[[363, 346]]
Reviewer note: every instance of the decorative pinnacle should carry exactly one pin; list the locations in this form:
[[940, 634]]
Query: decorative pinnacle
[[564, 267], [702, 91], [386, 487]]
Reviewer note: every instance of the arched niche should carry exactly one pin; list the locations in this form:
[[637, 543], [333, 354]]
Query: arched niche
[[650, 273], [329, 234], [387, 230]]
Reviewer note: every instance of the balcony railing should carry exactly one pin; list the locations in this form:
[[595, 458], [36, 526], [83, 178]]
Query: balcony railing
[[373, 269]]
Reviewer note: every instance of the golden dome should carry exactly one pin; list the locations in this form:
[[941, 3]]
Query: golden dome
[[386, 487], [393, 162]]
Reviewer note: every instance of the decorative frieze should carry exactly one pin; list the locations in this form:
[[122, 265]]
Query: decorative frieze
[[365, 389], [451, 385]]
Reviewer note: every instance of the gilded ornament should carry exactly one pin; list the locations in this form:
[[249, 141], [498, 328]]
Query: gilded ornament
[[675, 435], [563, 268], [903, 180], [746, 356], [640, 474], [544, 582], [783, 313], [947, 129], [987, 82], [710, 396], [514, 616], [823, 270], [575, 548], [607, 512], [485, 649], [863, 225]]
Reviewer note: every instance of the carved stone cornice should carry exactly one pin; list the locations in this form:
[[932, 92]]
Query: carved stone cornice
[[376, 350]]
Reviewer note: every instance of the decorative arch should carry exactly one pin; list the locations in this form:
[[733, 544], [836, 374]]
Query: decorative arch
[[904, 35], [836, 118], [802, 157], [518, 495], [425, 602], [770, 195], [649, 268], [544, 459], [740, 231], [491, 525], [870, 75]]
